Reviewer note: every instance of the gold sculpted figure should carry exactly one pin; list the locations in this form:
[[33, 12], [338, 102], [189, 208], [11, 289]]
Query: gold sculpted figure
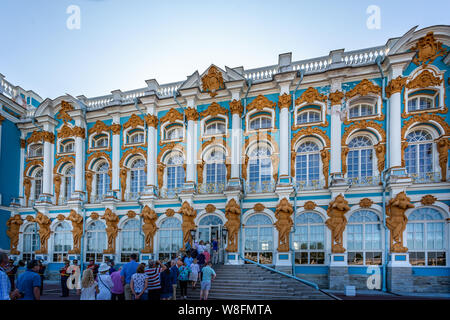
[[13, 225], [44, 231], [396, 221], [188, 224], [337, 222], [77, 230], [233, 215], [149, 228], [284, 224], [111, 220]]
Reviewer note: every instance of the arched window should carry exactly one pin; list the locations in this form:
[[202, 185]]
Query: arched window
[[95, 241], [258, 243], [420, 103], [31, 241], [135, 136], [308, 116], [360, 158], [174, 133], [419, 154], [62, 241], [35, 150], [102, 180], [38, 183], [175, 171], [214, 128], [100, 141], [170, 238], [426, 238], [364, 238], [69, 182], [132, 239], [260, 169], [208, 228], [361, 110], [261, 122], [67, 146], [309, 239], [307, 164], [215, 167], [138, 178]]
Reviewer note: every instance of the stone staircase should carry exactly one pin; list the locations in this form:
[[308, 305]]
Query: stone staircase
[[251, 282]]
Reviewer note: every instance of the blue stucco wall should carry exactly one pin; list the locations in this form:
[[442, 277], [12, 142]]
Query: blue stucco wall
[[4, 240], [9, 162]]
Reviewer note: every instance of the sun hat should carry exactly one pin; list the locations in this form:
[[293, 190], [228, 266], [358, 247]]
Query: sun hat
[[103, 267]]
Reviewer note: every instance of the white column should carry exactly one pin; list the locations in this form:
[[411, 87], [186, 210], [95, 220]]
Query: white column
[[47, 172], [236, 133], [79, 163], [151, 149], [115, 155], [335, 161], [284, 134], [190, 152], [395, 120]]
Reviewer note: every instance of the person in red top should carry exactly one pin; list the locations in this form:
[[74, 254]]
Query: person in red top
[[207, 256], [64, 277]]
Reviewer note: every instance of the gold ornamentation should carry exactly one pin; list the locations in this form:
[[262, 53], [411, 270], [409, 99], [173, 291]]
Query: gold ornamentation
[[325, 155], [244, 167], [132, 151], [284, 101], [336, 97], [170, 212], [2, 118], [65, 132], [309, 96], [94, 216], [212, 81], [134, 122], [96, 155], [44, 231], [33, 163], [310, 205], [131, 214], [23, 143], [57, 182], [89, 177], [48, 137], [123, 182], [200, 171], [309, 131], [172, 116], [210, 208], [149, 228], [77, 230], [29, 218], [284, 223], [60, 217], [112, 230], [365, 203], [428, 200], [337, 222], [260, 102], [344, 153], [395, 85], [79, 132], [364, 124], [188, 213], [36, 136], [115, 128], [191, 114], [443, 145], [423, 80], [236, 107], [99, 127], [259, 207], [397, 220], [425, 118], [160, 172], [363, 88], [63, 115], [213, 110], [404, 146], [228, 166], [233, 215], [275, 162], [27, 187], [380, 151], [152, 121], [13, 224], [428, 49], [62, 161]]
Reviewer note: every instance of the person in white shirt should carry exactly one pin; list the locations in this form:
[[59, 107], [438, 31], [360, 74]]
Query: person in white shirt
[[89, 287], [104, 282]]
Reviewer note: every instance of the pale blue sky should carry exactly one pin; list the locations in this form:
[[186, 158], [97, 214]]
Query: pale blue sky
[[122, 43]]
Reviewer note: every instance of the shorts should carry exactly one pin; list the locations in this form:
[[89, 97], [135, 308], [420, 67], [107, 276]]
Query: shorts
[[206, 285]]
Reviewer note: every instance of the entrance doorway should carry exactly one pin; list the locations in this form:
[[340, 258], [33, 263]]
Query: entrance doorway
[[209, 228]]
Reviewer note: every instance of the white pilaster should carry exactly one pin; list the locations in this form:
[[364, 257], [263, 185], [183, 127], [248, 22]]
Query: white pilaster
[[284, 135], [395, 124], [79, 163], [190, 152], [48, 160], [115, 155], [236, 138], [151, 151], [335, 127]]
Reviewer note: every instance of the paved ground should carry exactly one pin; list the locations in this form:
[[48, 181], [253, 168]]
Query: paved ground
[[52, 291]]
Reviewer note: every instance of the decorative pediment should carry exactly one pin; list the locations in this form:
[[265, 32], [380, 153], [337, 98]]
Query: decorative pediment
[[63, 115], [99, 127], [172, 116], [428, 49], [258, 207], [309, 96], [260, 102], [36, 136], [210, 208], [213, 110], [423, 80], [363, 88], [134, 122], [310, 205], [65, 132], [212, 81]]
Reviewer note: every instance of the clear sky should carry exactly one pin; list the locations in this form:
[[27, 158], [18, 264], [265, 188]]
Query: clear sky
[[122, 43]]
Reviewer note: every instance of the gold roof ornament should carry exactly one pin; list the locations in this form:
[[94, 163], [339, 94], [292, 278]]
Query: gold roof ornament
[[213, 110], [428, 49], [310, 95], [363, 88], [63, 115], [428, 200], [423, 80], [172, 116], [212, 81], [261, 102]]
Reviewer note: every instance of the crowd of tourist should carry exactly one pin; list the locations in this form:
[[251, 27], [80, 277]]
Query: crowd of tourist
[[156, 280]]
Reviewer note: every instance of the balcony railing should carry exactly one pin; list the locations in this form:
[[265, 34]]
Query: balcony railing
[[363, 181], [260, 187], [131, 196], [211, 188], [425, 177], [169, 193], [310, 185]]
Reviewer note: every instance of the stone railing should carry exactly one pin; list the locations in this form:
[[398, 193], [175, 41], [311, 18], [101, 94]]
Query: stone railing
[[363, 181], [169, 193], [310, 185], [425, 177], [260, 187], [364, 56], [205, 188]]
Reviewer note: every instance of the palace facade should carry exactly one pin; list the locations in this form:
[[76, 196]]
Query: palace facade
[[333, 168]]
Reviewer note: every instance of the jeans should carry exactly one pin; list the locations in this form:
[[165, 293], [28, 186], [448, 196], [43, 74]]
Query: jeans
[[215, 257], [174, 286], [127, 292]]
